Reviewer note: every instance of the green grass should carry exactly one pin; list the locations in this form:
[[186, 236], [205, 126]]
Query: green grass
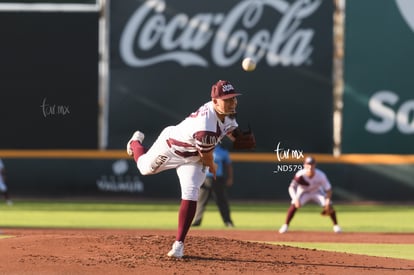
[[249, 215], [402, 251]]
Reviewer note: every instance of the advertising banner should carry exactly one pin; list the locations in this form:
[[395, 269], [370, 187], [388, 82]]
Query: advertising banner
[[49, 80], [379, 92], [76, 178], [166, 55], [118, 178]]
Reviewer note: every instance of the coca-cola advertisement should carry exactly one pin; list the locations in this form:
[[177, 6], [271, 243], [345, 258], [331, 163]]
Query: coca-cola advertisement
[[166, 55]]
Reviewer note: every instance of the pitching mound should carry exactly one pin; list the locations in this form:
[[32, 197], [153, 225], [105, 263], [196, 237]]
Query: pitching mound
[[38, 251]]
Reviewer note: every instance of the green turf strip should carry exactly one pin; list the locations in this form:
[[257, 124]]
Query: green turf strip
[[163, 215], [400, 251]]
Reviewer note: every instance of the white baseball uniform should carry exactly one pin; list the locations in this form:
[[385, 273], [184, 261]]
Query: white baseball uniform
[[307, 189], [178, 146], [3, 187]]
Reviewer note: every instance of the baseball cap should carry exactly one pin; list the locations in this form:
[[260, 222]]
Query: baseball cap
[[309, 160], [223, 89]]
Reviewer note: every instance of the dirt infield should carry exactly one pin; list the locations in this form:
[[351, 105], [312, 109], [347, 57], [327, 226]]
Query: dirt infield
[[232, 251]]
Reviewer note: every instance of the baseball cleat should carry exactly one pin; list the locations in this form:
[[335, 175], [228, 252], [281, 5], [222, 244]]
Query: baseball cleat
[[283, 229], [337, 228], [137, 136], [229, 224], [177, 250]]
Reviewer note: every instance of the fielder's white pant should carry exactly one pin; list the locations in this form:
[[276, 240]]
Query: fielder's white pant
[[318, 198], [160, 157]]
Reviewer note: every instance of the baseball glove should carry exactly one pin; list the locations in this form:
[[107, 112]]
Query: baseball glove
[[244, 139], [327, 210]]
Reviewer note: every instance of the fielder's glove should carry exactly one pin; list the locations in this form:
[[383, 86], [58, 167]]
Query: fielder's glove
[[244, 139], [327, 210]]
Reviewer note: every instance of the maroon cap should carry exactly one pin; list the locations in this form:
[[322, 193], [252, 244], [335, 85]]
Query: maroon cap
[[223, 90], [310, 160]]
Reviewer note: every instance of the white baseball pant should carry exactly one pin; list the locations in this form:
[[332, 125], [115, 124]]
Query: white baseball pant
[[318, 198], [160, 157], [3, 187]]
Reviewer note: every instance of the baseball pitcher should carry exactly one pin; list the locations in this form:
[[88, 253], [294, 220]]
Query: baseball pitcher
[[188, 148]]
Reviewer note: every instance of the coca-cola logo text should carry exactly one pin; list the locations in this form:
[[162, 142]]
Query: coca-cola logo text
[[231, 36]]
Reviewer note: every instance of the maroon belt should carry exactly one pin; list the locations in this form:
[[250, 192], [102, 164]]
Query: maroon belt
[[182, 154]]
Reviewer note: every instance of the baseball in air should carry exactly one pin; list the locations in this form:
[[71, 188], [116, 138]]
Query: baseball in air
[[248, 64]]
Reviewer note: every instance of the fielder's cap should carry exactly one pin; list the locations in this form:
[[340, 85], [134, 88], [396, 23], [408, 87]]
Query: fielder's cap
[[223, 90], [309, 160]]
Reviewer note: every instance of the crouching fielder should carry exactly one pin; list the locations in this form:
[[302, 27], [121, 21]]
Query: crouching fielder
[[310, 184]]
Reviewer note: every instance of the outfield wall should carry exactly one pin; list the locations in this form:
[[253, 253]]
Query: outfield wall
[[379, 85], [160, 71], [110, 174], [166, 55], [48, 79]]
